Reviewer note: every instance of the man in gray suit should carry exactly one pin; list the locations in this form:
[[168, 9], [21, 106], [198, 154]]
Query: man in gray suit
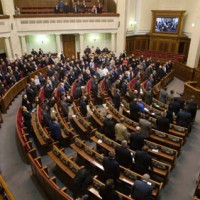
[[163, 95], [64, 106], [145, 126]]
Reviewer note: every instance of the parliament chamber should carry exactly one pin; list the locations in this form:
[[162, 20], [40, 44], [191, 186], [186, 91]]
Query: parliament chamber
[[99, 99]]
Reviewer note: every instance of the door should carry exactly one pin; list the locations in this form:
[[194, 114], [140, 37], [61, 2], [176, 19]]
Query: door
[[69, 46]]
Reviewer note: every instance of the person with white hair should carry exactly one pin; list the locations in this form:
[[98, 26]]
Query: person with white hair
[[142, 189]]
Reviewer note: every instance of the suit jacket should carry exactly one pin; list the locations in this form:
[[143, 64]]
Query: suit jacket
[[163, 96], [108, 194], [123, 156], [109, 128], [116, 100], [134, 111], [184, 118], [55, 131], [83, 107], [121, 132], [142, 162], [64, 108], [163, 124], [145, 126], [136, 141], [111, 168], [141, 190]]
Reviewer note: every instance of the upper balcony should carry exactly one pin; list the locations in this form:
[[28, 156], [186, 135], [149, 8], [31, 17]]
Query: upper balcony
[[5, 26], [67, 22]]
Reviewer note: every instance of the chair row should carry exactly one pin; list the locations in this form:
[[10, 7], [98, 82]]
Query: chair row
[[159, 151], [174, 129], [127, 176], [69, 167], [80, 121], [159, 168], [158, 136]]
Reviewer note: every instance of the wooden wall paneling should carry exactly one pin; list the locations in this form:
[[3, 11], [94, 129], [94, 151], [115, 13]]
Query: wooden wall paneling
[[183, 72], [173, 47], [197, 76], [69, 46]]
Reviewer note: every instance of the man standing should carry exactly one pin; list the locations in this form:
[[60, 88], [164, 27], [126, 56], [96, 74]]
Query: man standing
[[109, 127], [142, 189], [143, 161], [121, 132], [111, 167], [145, 126], [116, 99], [163, 123], [123, 154], [136, 140]]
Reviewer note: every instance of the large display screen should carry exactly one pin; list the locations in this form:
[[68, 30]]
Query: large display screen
[[166, 24]]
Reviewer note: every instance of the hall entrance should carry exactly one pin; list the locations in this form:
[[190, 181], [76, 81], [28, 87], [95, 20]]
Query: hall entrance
[[69, 45]]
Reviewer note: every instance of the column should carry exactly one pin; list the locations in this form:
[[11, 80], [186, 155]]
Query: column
[[194, 51], [113, 42], [81, 43], [24, 46], [58, 43], [121, 33], [8, 48], [8, 7]]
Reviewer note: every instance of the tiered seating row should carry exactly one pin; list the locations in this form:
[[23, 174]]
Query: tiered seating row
[[160, 55]]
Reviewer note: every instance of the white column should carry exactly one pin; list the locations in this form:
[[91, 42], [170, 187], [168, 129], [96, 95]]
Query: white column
[[121, 33], [58, 43], [8, 48], [24, 46], [8, 7], [81, 43], [113, 41], [194, 51]]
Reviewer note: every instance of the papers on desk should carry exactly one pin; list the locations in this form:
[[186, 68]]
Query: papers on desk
[[155, 150], [122, 104], [153, 113], [73, 116], [128, 111], [68, 97], [100, 141], [146, 109]]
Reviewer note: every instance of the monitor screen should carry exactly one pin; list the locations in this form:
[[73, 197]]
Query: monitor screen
[[166, 24]]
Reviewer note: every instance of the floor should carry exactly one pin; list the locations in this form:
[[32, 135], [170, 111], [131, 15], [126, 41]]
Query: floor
[[17, 173]]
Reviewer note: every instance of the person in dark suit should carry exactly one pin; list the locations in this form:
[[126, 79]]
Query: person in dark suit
[[148, 96], [143, 161], [48, 91], [64, 106], [141, 189], [134, 110], [27, 119], [192, 107], [163, 123], [26, 103], [109, 127], [83, 106], [108, 192], [123, 154], [136, 140], [62, 56], [55, 130], [184, 118], [46, 119], [111, 167], [174, 106], [116, 99]]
